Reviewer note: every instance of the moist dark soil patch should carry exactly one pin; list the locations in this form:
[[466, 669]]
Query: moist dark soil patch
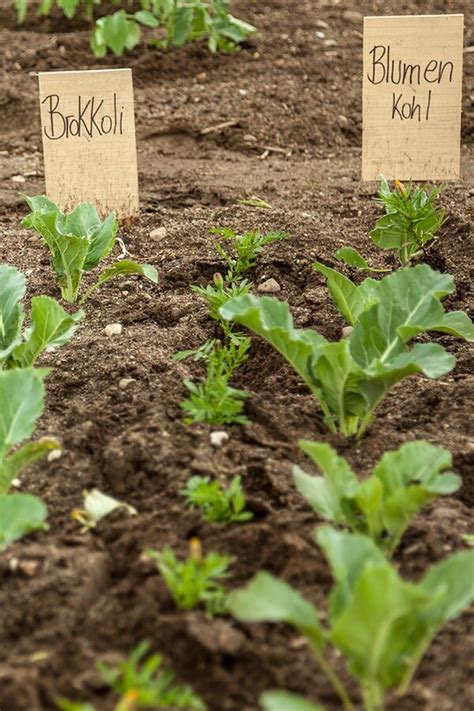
[[67, 599]]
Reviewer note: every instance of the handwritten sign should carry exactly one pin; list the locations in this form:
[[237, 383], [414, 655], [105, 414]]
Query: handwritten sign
[[88, 131], [412, 97]]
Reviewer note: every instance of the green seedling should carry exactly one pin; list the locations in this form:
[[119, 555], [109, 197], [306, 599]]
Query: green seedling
[[214, 400], [240, 252], [412, 218], [383, 504], [21, 404], [218, 505], [219, 293], [141, 683], [181, 21], [350, 377], [382, 624], [50, 325], [78, 242], [96, 507], [256, 202], [196, 580], [411, 221]]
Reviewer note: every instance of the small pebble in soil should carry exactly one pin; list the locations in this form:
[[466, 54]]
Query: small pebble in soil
[[113, 329], [270, 286], [249, 138], [124, 383], [158, 233], [352, 15], [54, 455], [218, 438], [346, 331], [18, 179]]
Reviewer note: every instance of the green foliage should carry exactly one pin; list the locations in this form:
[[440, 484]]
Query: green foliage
[[353, 258], [141, 683], [20, 514], [69, 8], [142, 680], [350, 377], [240, 252], [412, 218], [382, 505], [21, 404], [51, 326], [196, 580], [181, 21], [78, 242], [213, 400], [382, 636], [218, 505]]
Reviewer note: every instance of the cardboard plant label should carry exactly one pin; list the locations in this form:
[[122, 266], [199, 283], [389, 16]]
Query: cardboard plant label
[[412, 97], [88, 131]]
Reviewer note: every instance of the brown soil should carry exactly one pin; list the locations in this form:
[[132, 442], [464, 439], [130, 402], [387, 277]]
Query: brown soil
[[93, 596]]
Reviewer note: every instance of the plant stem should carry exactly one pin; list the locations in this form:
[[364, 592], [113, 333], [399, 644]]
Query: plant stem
[[373, 697], [333, 678]]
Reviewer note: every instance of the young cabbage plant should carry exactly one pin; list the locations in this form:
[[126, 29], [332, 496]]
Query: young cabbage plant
[[218, 505], [78, 242], [412, 218], [383, 504], [140, 682], [382, 624], [21, 404], [50, 325], [196, 580], [350, 377]]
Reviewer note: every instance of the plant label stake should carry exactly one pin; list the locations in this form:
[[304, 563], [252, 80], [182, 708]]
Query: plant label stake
[[88, 132], [412, 97]]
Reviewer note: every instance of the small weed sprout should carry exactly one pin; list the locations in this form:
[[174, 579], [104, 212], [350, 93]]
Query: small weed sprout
[[140, 683], [218, 505], [196, 580]]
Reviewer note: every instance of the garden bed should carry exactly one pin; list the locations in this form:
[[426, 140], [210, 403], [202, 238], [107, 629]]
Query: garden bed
[[77, 598]]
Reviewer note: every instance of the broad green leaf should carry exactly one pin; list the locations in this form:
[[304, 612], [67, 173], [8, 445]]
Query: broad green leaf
[[21, 6], [147, 18], [102, 240], [21, 403], [11, 466], [115, 31], [51, 326], [82, 221], [350, 299], [347, 554], [369, 499], [417, 463], [125, 266], [455, 576], [285, 701], [272, 320], [326, 494], [372, 628], [456, 323], [20, 514], [12, 290], [268, 599], [39, 203], [408, 303], [352, 258]]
